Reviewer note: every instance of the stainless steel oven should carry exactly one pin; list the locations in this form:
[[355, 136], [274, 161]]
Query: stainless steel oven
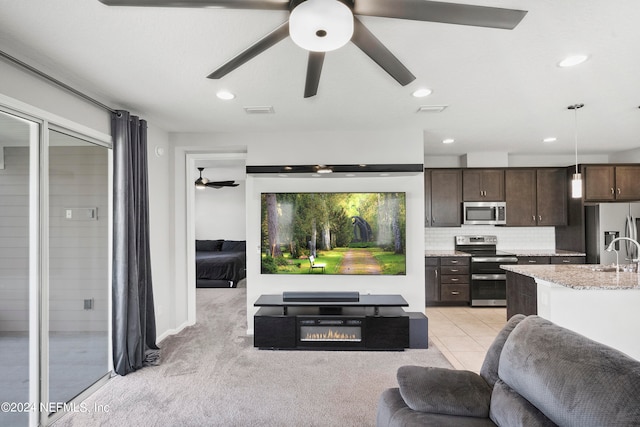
[[488, 280]]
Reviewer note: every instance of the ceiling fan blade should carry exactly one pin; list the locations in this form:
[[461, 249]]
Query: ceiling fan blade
[[220, 184], [448, 13], [369, 44], [224, 4], [257, 48], [314, 68]]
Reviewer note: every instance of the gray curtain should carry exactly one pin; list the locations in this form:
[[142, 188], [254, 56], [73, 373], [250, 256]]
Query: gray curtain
[[134, 325]]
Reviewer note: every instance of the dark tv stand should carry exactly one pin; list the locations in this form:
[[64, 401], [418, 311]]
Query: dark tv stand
[[329, 322]]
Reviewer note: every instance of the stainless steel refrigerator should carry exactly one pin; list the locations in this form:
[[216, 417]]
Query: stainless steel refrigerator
[[606, 221]]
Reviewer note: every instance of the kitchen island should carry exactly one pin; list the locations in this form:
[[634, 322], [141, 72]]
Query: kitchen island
[[601, 305]]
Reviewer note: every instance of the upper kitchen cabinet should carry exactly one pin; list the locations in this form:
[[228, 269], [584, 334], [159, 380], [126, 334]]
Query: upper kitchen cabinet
[[536, 196], [611, 182], [551, 196], [443, 197], [481, 185]]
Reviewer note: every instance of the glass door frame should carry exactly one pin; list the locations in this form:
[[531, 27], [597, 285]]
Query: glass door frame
[[39, 249]]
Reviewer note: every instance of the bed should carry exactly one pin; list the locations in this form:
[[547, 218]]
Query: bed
[[220, 263]]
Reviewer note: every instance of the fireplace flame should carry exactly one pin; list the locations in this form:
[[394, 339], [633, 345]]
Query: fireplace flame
[[331, 335]]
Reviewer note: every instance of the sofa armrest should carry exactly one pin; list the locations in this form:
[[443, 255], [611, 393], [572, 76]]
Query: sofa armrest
[[444, 391]]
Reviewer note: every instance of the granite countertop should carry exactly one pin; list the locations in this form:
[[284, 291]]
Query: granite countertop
[[578, 276], [517, 252], [444, 252], [545, 252]]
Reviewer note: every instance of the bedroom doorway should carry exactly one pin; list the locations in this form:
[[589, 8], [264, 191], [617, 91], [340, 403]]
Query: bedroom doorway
[[213, 213]]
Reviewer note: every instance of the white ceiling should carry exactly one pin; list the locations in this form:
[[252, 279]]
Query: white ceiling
[[503, 89]]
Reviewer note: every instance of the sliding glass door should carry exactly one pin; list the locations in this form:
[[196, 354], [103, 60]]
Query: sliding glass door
[[54, 268], [19, 142], [78, 235]]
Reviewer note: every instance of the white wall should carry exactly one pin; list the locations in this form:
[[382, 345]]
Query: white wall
[[220, 212], [161, 229], [330, 147]]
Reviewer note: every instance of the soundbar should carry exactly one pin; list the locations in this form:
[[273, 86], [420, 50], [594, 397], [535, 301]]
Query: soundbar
[[320, 296]]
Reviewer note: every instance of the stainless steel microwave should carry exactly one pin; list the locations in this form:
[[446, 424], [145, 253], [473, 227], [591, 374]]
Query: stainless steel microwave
[[484, 213]]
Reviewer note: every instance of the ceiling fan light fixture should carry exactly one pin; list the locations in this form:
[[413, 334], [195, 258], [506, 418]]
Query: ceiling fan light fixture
[[321, 25]]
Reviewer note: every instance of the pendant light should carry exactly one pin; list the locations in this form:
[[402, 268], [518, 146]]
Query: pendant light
[[576, 179]]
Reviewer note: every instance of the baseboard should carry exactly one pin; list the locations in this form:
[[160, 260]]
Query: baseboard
[[173, 331]]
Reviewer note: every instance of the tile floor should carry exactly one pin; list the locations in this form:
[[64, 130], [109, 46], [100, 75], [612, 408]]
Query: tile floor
[[463, 334]]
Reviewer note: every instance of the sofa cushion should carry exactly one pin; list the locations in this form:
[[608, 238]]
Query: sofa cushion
[[489, 369], [573, 380], [393, 411], [508, 408], [444, 391]]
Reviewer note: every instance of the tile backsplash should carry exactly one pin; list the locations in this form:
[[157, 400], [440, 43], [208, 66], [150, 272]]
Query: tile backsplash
[[509, 238]]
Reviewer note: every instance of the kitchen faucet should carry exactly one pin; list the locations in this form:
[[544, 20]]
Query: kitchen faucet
[[637, 260]]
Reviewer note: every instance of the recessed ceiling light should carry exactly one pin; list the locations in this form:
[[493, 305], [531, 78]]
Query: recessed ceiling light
[[421, 93], [225, 95], [316, 174], [282, 175], [350, 175], [573, 60], [385, 174], [550, 139], [448, 141]]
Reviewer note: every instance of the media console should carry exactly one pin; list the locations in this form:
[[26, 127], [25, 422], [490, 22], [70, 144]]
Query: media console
[[331, 321]]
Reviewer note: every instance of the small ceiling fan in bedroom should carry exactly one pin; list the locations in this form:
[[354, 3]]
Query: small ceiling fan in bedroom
[[204, 182], [321, 26]]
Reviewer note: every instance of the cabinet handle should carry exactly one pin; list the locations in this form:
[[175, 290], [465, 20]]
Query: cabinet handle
[[539, 217], [612, 192], [566, 261], [533, 261], [618, 191], [533, 218], [454, 262], [455, 292], [454, 279], [454, 270]]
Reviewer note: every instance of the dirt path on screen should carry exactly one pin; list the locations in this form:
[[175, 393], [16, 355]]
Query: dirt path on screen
[[359, 261]]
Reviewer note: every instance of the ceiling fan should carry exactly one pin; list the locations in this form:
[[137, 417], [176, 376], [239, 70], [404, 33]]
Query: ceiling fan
[[320, 26], [204, 182]]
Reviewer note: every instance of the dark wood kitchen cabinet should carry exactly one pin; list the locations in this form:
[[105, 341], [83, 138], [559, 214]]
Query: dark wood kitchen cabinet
[[522, 295], [479, 185], [431, 282], [611, 182], [447, 280], [443, 197], [536, 197]]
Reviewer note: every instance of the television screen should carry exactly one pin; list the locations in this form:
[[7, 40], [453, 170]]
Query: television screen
[[333, 233]]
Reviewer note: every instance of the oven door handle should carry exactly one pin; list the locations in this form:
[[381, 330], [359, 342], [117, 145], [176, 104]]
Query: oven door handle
[[503, 260], [488, 277]]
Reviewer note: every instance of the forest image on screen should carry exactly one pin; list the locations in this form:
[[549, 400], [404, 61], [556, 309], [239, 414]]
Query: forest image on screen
[[333, 233]]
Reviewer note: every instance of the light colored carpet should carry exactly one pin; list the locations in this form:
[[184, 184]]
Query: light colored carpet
[[211, 375]]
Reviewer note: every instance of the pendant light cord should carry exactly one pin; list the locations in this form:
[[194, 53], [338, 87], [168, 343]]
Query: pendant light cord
[[575, 132], [575, 108]]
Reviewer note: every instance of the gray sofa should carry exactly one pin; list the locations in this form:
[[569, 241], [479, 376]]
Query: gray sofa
[[535, 373]]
